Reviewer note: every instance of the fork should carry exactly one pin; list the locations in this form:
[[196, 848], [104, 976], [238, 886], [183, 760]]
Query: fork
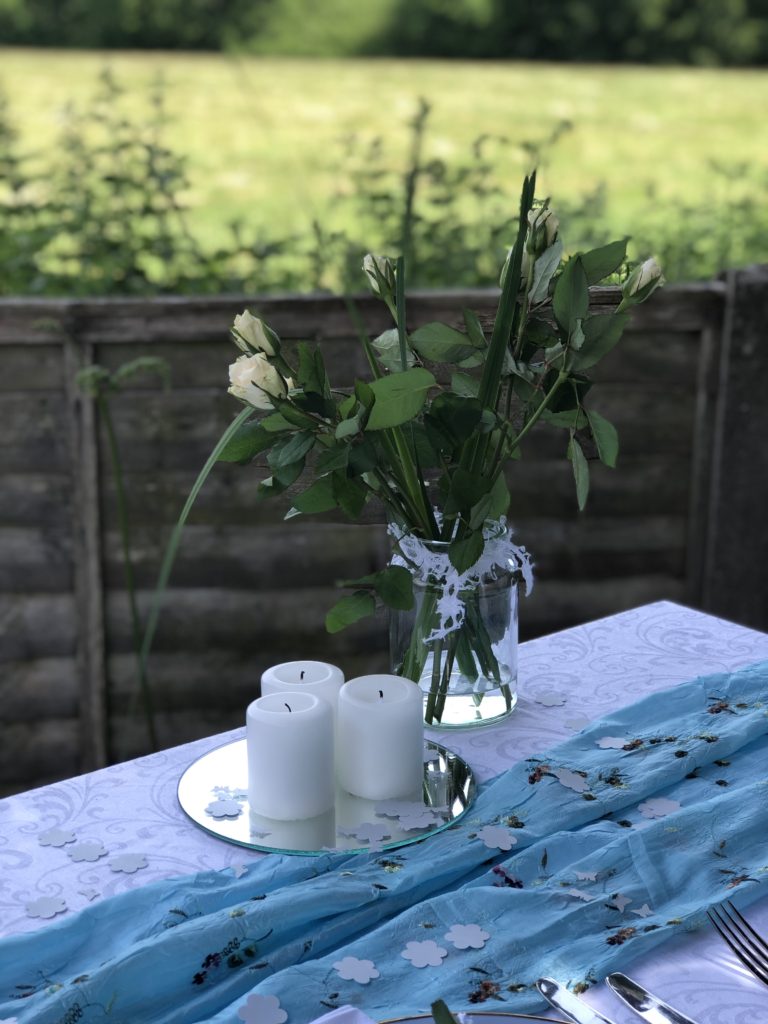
[[748, 945]]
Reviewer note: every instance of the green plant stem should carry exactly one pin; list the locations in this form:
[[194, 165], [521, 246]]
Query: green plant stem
[[130, 583], [169, 555]]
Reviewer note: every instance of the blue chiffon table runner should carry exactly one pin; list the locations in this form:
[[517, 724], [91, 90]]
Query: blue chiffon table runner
[[620, 837]]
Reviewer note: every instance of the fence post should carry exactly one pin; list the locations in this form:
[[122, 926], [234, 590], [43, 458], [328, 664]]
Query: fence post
[[736, 574], [86, 529]]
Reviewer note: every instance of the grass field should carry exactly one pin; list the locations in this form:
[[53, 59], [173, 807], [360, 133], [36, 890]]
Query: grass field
[[263, 135]]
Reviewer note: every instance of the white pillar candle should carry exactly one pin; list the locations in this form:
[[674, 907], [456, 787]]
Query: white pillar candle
[[317, 677], [380, 737], [290, 756]]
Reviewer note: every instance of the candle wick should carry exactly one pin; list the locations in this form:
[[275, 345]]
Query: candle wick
[[301, 677], [289, 707], [381, 694]]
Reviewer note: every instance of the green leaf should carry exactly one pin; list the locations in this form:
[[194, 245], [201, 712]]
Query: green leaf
[[571, 419], [466, 489], [475, 331], [332, 458], [347, 428], [441, 1014], [394, 586], [465, 552], [317, 498], [387, 346], [364, 394], [290, 449], [363, 457], [580, 472], [309, 375], [543, 271], [600, 263], [454, 418], [605, 436], [348, 610], [601, 333], [500, 498], [480, 512], [464, 385], [399, 398], [276, 423], [246, 443], [571, 297], [440, 343], [350, 495]]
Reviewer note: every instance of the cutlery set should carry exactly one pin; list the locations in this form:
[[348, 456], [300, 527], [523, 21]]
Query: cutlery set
[[748, 945]]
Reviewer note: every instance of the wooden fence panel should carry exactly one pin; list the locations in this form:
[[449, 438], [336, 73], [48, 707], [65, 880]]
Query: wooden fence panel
[[249, 590]]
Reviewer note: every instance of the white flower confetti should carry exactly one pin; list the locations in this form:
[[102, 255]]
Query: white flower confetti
[[87, 851], [352, 969], [238, 870], [586, 876], [224, 809], [424, 954], [258, 1009], [90, 895], [658, 807], [611, 742], [46, 907], [467, 936], [496, 837], [644, 911], [578, 894], [398, 808], [571, 780], [424, 819], [619, 902], [56, 837], [551, 700], [577, 723], [128, 863]]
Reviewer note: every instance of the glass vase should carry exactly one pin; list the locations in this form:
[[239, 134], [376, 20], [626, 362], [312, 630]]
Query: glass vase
[[459, 641]]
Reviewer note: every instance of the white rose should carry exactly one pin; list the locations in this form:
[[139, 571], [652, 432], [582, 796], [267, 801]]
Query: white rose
[[252, 334], [544, 226], [386, 271], [642, 281], [254, 379]]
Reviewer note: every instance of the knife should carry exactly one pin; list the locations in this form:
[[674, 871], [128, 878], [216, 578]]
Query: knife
[[643, 1003], [568, 1003]]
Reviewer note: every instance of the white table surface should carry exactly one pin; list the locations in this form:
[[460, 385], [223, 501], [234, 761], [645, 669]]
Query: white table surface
[[593, 669]]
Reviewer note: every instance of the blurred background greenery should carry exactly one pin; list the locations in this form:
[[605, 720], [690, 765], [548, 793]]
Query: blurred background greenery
[[130, 164]]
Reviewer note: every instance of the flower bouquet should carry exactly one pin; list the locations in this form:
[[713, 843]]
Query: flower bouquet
[[431, 434]]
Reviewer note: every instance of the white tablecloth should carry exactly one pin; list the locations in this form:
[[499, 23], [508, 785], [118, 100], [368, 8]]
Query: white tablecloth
[[565, 680]]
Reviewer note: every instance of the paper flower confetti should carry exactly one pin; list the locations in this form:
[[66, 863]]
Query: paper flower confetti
[[577, 723], [46, 906], [658, 807], [90, 894], [586, 876], [611, 742], [56, 837], [467, 936], [238, 870], [571, 780], [578, 894], [129, 863], [398, 808], [258, 1009], [551, 700], [496, 837], [87, 851], [367, 832], [424, 954], [352, 969], [224, 809], [619, 902], [421, 819], [644, 911]]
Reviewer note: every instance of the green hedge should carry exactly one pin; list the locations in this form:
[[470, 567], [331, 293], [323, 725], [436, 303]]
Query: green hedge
[[704, 32]]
